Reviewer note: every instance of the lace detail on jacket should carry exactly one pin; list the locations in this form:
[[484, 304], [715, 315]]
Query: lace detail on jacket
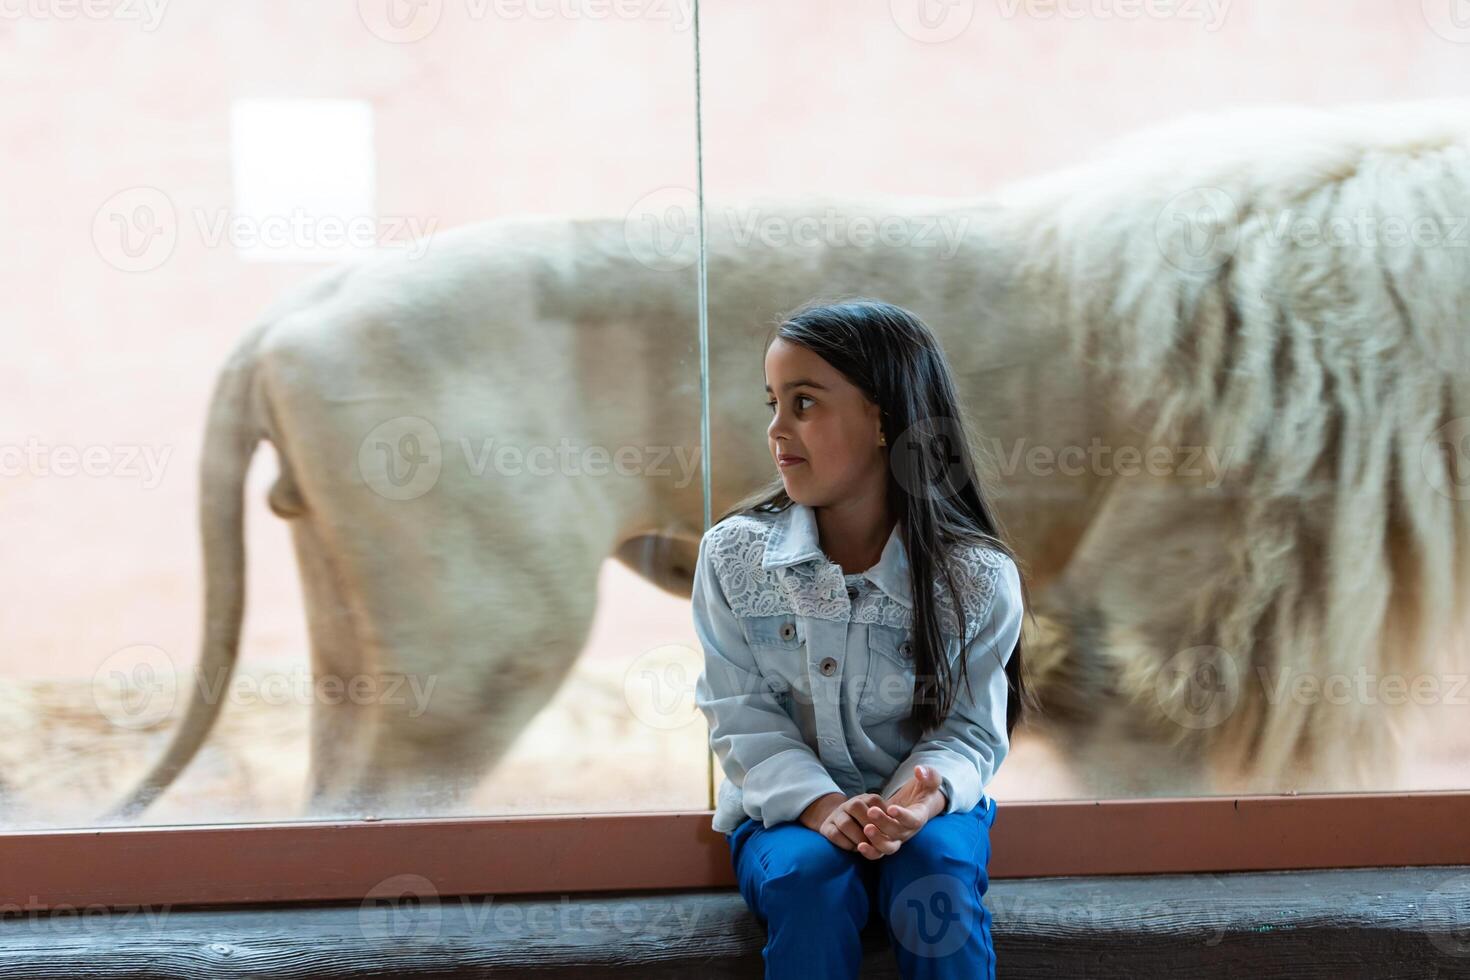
[[818, 589]]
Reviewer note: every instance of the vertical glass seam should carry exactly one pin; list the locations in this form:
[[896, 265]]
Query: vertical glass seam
[[703, 301]]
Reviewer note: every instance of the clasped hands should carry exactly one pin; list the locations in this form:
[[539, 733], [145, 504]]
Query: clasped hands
[[866, 824]]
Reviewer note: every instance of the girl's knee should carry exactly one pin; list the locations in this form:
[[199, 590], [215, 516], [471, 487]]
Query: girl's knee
[[801, 859]]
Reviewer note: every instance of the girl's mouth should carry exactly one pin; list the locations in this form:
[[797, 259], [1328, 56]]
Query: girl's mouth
[[785, 460]]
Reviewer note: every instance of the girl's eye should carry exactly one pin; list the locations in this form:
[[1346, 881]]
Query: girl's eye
[[772, 403]]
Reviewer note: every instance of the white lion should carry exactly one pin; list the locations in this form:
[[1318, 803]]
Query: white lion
[[1294, 404]]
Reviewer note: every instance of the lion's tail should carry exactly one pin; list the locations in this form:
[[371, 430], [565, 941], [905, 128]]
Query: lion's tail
[[230, 438]]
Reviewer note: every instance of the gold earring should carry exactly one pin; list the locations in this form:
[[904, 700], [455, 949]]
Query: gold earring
[[882, 439]]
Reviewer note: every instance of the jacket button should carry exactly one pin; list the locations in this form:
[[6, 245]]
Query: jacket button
[[852, 591], [788, 630], [904, 648], [828, 666]]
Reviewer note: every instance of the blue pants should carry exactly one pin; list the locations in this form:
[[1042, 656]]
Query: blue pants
[[813, 897]]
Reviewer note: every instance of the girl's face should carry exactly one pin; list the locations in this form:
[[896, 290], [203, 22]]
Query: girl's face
[[824, 431]]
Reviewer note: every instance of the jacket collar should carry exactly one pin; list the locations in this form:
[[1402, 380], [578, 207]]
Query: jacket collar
[[794, 540]]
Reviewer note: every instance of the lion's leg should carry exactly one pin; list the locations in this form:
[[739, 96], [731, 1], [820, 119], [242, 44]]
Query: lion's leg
[[430, 736], [1112, 622], [397, 742], [444, 640], [339, 725]]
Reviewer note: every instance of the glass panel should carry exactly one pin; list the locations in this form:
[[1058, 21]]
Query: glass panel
[[398, 278], [1227, 451]]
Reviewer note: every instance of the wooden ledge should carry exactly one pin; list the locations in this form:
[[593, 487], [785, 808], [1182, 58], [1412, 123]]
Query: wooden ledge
[[337, 861], [1401, 922]]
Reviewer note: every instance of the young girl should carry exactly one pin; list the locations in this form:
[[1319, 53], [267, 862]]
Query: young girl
[[861, 621]]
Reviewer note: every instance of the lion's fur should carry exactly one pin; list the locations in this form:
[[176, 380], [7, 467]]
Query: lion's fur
[[1328, 370]]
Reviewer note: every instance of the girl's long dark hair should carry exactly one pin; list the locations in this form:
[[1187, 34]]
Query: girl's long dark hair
[[934, 490]]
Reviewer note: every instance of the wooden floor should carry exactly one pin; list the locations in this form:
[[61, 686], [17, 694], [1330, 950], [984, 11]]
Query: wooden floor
[[1368, 923]]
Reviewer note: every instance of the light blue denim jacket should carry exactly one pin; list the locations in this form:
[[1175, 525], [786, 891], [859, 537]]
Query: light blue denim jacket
[[807, 681]]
